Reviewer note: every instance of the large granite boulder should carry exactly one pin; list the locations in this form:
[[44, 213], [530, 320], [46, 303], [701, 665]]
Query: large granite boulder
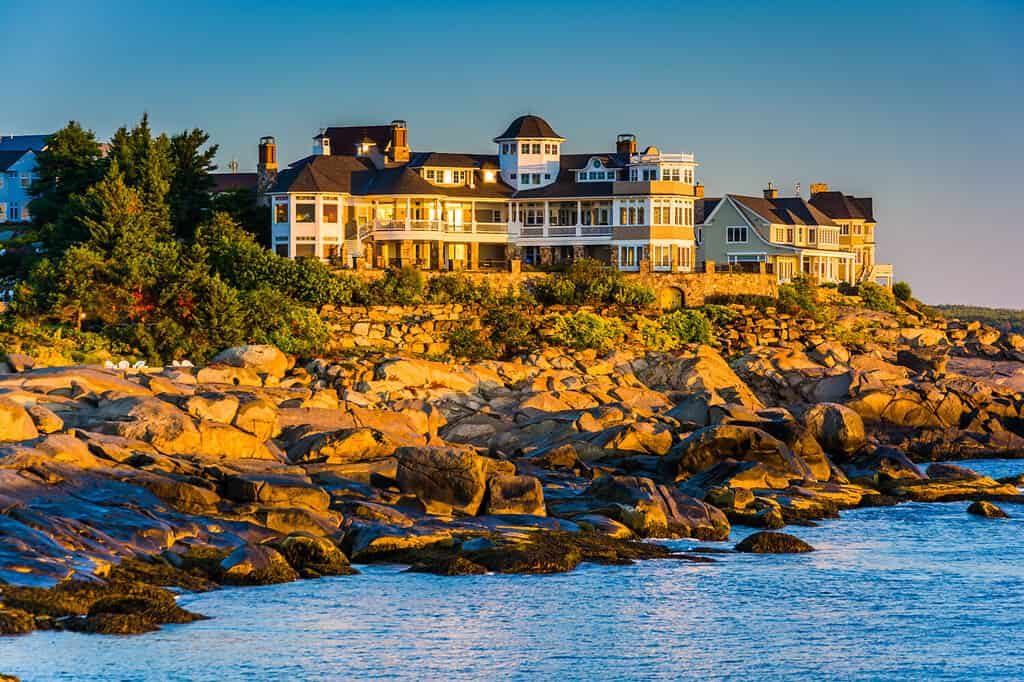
[[256, 565], [344, 446], [515, 495], [706, 447], [276, 489], [839, 429], [881, 464], [769, 542], [150, 420], [654, 510], [15, 422], [262, 359], [445, 479]]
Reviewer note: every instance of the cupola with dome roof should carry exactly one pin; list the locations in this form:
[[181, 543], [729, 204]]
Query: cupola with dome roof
[[529, 153]]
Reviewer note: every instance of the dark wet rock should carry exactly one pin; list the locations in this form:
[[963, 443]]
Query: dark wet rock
[[769, 542], [16, 622], [515, 495], [448, 565], [950, 471], [987, 509], [1016, 479], [445, 479], [313, 556], [114, 607], [540, 552], [839, 429], [256, 565]]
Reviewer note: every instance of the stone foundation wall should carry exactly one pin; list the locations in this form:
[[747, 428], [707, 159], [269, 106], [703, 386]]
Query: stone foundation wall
[[420, 329]]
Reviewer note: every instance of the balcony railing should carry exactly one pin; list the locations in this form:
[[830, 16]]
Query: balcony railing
[[492, 228]]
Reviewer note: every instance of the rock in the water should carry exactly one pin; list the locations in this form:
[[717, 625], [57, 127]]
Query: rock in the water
[[987, 509], [314, 556], [444, 479], [839, 429], [515, 495], [882, 464], [256, 565], [770, 542], [654, 510], [263, 359]]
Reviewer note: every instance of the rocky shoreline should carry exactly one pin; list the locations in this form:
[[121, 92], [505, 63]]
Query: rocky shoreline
[[120, 487]]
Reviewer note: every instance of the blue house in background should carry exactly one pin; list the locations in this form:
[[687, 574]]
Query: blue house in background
[[17, 170]]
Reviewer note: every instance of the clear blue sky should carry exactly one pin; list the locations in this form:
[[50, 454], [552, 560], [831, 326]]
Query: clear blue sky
[[918, 104]]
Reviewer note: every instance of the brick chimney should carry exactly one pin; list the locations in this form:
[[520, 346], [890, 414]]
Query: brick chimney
[[818, 187], [266, 167], [698, 191], [770, 192], [399, 141]]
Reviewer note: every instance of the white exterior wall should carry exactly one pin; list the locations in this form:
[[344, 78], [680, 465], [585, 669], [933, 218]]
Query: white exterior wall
[[544, 164]]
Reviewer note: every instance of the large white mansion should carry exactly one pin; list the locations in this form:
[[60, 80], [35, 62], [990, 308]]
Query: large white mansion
[[365, 198]]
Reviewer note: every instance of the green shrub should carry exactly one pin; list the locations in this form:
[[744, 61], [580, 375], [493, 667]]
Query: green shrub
[[466, 341], [399, 286], [901, 290], [456, 287], [511, 326], [718, 315], [761, 303], [798, 295], [271, 317], [876, 297], [583, 330], [687, 326], [589, 282]]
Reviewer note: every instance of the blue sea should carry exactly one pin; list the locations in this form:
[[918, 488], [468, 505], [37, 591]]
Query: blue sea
[[912, 592]]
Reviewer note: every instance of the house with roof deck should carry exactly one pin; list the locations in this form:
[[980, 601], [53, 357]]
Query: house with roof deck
[[17, 171], [365, 197], [786, 236]]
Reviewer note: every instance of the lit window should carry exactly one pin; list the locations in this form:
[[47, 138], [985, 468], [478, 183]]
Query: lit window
[[330, 213], [305, 213], [280, 213]]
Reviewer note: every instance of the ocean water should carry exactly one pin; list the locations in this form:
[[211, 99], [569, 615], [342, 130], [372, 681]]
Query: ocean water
[[917, 591]]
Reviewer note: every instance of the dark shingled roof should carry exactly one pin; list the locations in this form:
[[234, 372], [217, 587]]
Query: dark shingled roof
[[359, 177], [450, 160], [225, 182], [528, 126], [784, 210], [325, 174], [345, 138], [843, 207], [9, 158]]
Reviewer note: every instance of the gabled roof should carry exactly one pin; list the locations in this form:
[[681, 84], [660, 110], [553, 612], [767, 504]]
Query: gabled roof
[[225, 182], [706, 207], [843, 206], [21, 143], [783, 211], [11, 157], [345, 138], [529, 126], [581, 161]]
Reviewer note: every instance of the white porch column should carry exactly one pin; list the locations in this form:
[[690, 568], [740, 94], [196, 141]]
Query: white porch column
[[547, 218], [472, 216], [408, 213]]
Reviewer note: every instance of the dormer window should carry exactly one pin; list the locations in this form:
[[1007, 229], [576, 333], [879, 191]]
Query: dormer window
[[595, 164]]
